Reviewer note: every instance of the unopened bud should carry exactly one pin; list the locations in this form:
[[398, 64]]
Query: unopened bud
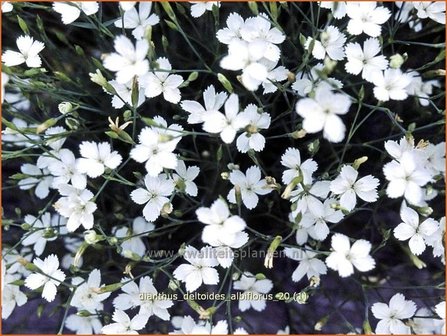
[[65, 107]]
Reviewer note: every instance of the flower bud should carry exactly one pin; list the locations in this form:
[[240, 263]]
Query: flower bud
[[91, 237], [225, 82], [396, 61], [166, 210], [65, 107]]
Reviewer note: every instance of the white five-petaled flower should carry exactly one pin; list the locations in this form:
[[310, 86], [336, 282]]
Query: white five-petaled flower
[[156, 146], [184, 178], [71, 10], [213, 102], [134, 237], [129, 60], [392, 314], [124, 325], [96, 157], [434, 10], [221, 228], [366, 17], [198, 8], [322, 113], [200, 268], [331, 43], [65, 170], [338, 8], [292, 160], [309, 265], [36, 177], [139, 20], [162, 81], [253, 292], [347, 185], [144, 296], [251, 138], [390, 84], [345, 257], [226, 124], [315, 220], [51, 278], [29, 50], [250, 186], [86, 295], [77, 206], [155, 195], [411, 228], [406, 178], [366, 60]]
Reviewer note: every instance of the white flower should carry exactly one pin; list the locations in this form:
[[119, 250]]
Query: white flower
[[187, 326], [331, 44], [321, 114], [440, 310], [226, 124], [251, 138], [366, 18], [221, 228], [420, 89], [71, 10], [406, 178], [338, 8], [213, 102], [96, 157], [139, 20], [128, 61], [156, 146], [29, 50], [390, 84], [412, 229], [154, 195], [36, 178], [51, 278], [365, 60], [83, 325], [40, 228], [434, 10], [253, 292], [161, 80], [19, 136], [250, 186], [144, 296], [77, 206], [198, 8], [262, 38], [292, 160], [392, 314], [184, 178], [124, 325], [316, 218], [233, 30], [65, 170], [345, 257], [308, 198], [200, 268], [347, 185], [134, 237], [424, 323], [86, 296], [309, 265], [274, 74], [11, 295], [7, 7]]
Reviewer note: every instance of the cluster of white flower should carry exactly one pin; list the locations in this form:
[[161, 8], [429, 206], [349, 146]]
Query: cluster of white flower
[[252, 48]]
